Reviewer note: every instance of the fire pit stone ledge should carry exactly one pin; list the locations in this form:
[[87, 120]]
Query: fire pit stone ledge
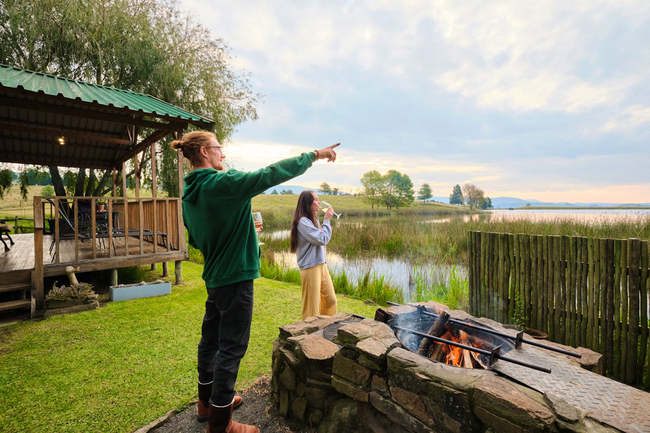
[[344, 374]]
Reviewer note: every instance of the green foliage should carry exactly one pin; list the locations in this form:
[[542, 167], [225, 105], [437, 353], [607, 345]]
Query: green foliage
[[398, 189], [74, 291], [487, 204], [325, 188], [456, 196], [24, 183], [6, 180], [373, 187], [425, 192], [519, 318], [69, 181], [393, 189], [146, 46], [48, 191], [275, 191], [474, 196]]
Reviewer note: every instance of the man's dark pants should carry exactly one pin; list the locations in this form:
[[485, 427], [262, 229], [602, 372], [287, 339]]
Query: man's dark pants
[[224, 338]]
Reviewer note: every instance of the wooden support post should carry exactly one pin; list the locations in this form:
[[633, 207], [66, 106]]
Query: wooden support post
[[154, 194], [633, 323], [154, 266], [182, 245], [114, 277], [178, 271], [165, 267], [38, 289], [126, 211]]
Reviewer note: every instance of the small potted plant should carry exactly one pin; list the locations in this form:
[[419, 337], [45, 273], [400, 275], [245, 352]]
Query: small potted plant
[[101, 206]]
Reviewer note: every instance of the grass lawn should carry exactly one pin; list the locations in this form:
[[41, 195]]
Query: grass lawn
[[117, 368]]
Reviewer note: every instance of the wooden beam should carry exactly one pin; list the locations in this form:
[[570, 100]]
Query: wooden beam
[[65, 129], [155, 136], [114, 262], [86, 113], [54, 144], [57, 160], [68, 133]]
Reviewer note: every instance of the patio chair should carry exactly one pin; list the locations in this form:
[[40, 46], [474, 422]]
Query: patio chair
[[67, 227], [5, 230]]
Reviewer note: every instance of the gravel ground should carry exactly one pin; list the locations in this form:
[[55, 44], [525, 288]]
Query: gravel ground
[[256, 410]]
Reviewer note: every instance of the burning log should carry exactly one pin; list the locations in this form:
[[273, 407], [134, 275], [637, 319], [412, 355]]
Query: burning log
[[436, 330]]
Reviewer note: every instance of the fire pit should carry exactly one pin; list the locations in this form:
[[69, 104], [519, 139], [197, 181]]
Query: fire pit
[[347, 373]]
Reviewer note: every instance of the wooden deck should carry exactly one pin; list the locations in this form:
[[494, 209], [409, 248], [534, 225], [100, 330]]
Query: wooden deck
[[21, 255]]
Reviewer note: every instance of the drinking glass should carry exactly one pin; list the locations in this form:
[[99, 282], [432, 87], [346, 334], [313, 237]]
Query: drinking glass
[[257, 218], [325, 205]]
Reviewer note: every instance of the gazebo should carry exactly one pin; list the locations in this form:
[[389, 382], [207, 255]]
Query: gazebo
[[55, 121]]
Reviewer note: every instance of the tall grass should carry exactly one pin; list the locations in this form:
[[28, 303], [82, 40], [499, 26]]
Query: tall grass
[[370, 286], [413, 238]]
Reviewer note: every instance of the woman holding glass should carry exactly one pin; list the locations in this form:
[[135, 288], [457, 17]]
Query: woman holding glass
[[308, 240]]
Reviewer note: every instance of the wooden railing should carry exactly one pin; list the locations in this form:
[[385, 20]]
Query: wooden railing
[[580, 291], [153, 221]]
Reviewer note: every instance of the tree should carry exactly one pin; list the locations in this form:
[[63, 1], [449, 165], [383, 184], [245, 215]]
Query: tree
[[398, 189], [146, 46], [275, 191], [373, 187], [474, 196], [487, 204], [325, 188], [335, 191], [456, 196], [425, 192]]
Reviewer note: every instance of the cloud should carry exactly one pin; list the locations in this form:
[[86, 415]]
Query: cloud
[[631, 118]]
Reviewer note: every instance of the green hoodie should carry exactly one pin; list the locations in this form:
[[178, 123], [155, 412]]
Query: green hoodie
[[218, 215]]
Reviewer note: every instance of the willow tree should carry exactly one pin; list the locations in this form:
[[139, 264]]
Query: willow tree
[[146, 46]]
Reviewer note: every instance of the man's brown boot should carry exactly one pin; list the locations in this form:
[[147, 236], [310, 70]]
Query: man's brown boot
[[220, 421], [203, 410]]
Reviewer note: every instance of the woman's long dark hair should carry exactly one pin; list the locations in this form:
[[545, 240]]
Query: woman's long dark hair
[[303, 209]]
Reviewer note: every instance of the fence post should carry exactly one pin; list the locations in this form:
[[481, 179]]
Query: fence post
[[633, 323], [643, 288], [617, 309]]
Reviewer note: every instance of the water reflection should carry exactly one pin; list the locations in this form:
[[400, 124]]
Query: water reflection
[[582, 215], [464, 218], [397, 273]]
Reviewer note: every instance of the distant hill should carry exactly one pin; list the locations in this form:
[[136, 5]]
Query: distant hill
[[293, 188], [497, 202]]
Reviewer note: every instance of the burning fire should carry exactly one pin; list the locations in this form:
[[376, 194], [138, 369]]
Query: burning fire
[[457, 356]]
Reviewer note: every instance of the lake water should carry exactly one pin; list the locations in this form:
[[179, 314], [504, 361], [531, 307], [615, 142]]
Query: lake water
[[401, 273], [586, 215], [398, 273]]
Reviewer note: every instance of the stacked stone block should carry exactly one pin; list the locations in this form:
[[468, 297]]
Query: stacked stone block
[[364, 381]]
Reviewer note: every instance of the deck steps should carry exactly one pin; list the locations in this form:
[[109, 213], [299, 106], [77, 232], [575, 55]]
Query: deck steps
[[14, 305], [16, 290], [18, 287]]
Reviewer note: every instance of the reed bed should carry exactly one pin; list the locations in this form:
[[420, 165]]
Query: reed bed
[[414, 238]]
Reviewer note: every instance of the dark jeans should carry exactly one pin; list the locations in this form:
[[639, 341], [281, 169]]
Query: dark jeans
[[224, 338]]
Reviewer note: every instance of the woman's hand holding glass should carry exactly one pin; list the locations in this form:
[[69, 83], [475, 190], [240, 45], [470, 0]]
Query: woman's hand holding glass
[[328, 208], [257, 219]]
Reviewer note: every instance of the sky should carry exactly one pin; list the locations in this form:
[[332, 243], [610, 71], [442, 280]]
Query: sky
[[536, 100]]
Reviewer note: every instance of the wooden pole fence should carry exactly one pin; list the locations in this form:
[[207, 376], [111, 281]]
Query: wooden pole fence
[[580, 291]]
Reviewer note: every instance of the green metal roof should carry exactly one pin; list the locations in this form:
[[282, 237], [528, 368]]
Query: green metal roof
[[16, 78]]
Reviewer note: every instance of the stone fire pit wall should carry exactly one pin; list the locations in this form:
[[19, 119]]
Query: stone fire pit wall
[[365, 381]]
